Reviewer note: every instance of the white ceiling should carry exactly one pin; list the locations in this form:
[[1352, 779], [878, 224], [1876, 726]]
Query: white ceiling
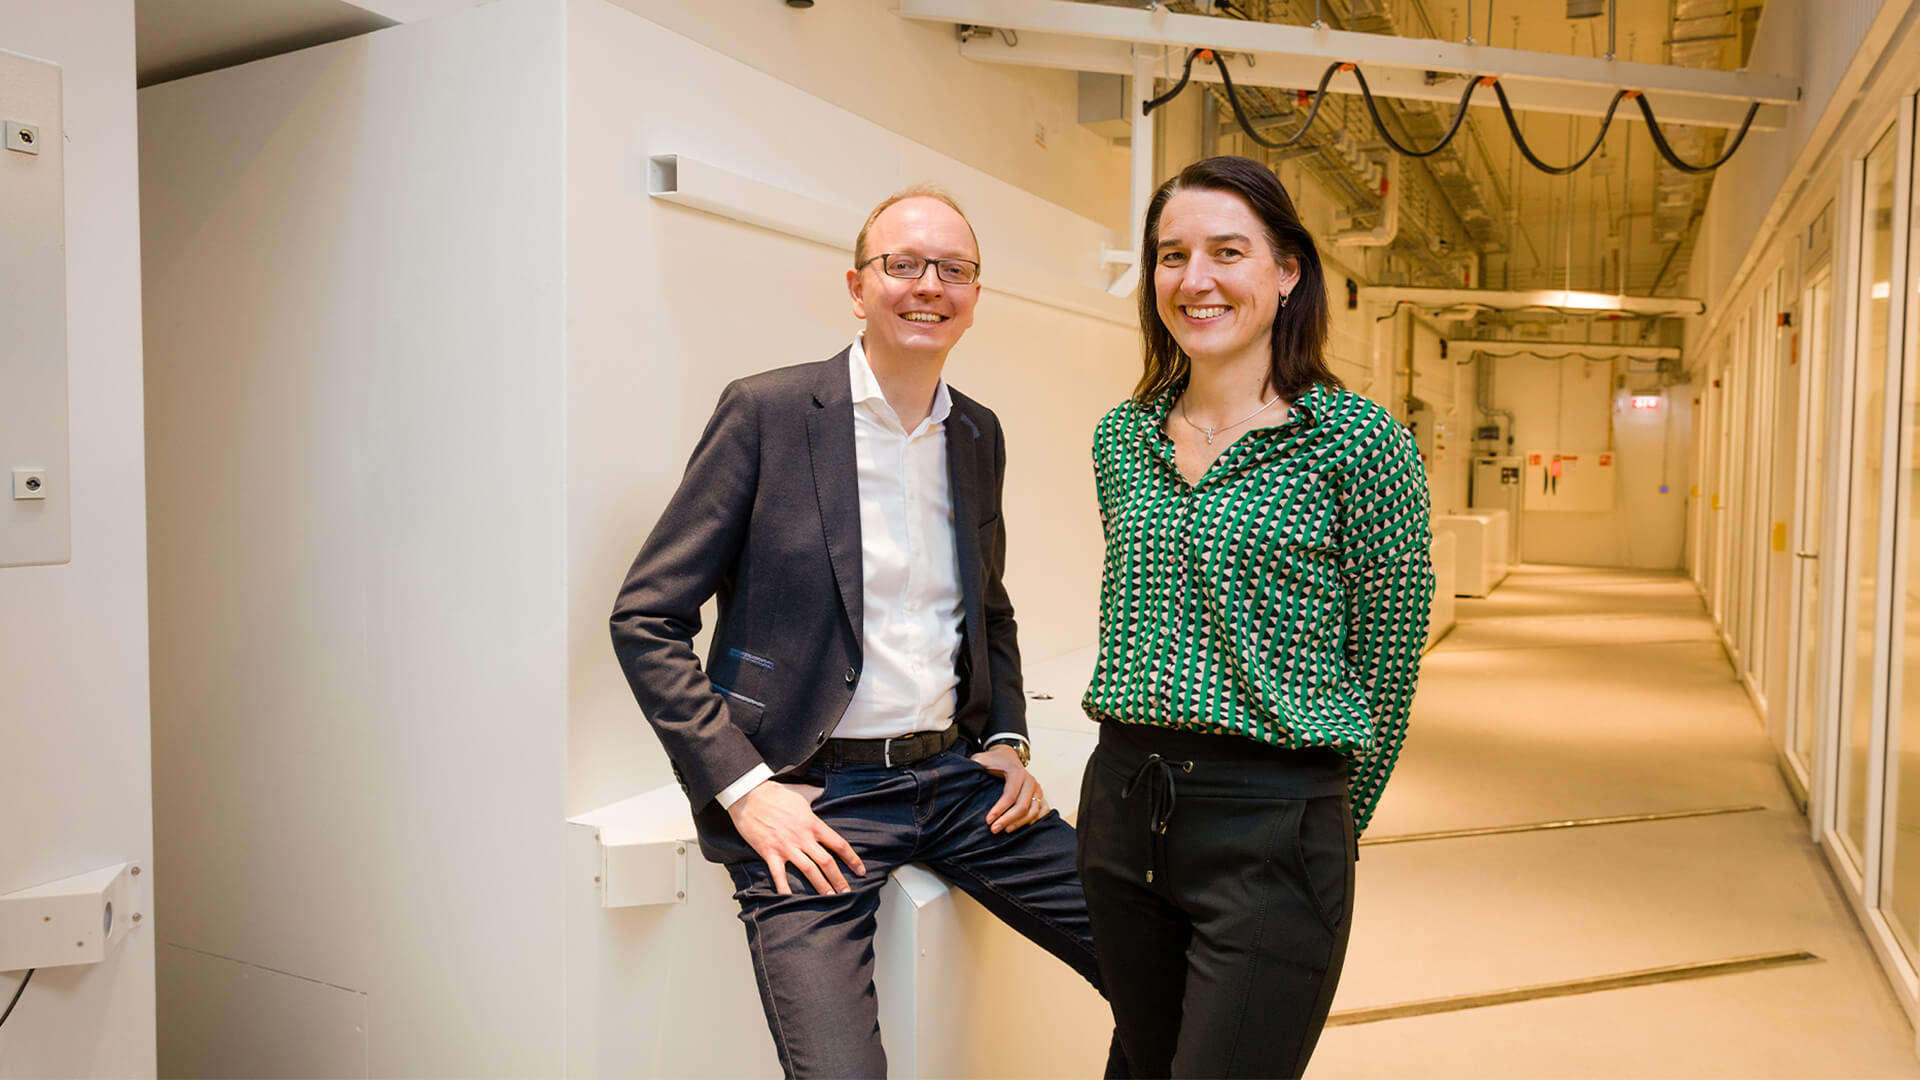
[[1561, 238], [177, 38]]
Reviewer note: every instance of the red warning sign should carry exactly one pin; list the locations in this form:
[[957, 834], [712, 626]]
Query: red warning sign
[[1533, 459], [1606, 460]]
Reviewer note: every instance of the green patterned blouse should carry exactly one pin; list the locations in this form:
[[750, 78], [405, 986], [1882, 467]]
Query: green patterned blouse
[[1283, 598]]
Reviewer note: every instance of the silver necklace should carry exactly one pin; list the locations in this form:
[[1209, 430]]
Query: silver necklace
[[1210, 432]]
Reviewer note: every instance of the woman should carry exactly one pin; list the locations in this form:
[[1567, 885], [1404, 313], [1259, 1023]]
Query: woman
[[1262, 612]]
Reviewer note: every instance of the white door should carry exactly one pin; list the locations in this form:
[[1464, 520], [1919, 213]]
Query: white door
[[1805, 646]]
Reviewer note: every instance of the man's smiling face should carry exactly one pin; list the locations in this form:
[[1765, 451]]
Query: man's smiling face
[[923, 316]]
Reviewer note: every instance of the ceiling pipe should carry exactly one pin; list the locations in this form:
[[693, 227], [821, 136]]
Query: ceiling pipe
[[1383, 233], [1515, 299], [1140, 172], [1465, 268]]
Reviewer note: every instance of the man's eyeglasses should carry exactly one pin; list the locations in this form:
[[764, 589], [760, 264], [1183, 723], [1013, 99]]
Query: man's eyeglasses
[[913, 267]]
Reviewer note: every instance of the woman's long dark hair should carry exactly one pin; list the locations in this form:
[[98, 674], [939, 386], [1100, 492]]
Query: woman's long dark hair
[[1299, 328]]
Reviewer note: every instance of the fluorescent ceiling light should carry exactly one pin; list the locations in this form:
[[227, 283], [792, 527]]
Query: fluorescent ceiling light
[[1586, 301]]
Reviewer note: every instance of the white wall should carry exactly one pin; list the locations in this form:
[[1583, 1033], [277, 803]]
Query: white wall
[[1349, 330], [659, 321], [1444, 429], [74, 792], [1830, 46], [355, 393], [1569, 405], [442, 381], [1856, 60], [908, 77]]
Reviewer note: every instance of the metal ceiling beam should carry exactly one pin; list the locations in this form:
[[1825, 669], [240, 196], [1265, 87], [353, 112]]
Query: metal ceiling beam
[[1289, 72], [1517, 299], [1089, 37], [1555, 348]]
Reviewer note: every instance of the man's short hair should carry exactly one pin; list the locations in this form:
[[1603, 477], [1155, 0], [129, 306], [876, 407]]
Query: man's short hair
[[917, 191]]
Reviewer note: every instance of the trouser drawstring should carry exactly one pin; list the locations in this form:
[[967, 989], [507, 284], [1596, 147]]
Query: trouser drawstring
[[1158, 773]]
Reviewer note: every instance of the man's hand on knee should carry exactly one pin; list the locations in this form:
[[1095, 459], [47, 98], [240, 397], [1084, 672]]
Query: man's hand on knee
[[1022, 802], [780, 825]]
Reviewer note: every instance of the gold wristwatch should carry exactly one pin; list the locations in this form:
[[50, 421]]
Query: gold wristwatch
[[1019, 744]]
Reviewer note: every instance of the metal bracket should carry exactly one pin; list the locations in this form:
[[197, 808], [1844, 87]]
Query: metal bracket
[[73, 920]]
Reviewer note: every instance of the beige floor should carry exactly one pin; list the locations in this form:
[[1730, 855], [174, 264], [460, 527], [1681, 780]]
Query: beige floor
[[1575, 693]]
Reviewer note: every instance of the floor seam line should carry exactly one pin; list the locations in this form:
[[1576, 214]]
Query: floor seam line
[[1708, 969]]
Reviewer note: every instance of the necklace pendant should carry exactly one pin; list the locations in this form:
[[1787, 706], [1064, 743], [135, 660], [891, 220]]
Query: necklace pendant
[[1209, 436]]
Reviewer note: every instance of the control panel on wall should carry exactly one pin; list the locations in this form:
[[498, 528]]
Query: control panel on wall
[[1569, 480], [34, 501]]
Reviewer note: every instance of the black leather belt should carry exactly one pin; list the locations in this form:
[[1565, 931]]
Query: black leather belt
[[903, 750]]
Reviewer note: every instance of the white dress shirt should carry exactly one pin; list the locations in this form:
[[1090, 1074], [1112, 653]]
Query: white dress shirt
[[909, 569], [910, 572]]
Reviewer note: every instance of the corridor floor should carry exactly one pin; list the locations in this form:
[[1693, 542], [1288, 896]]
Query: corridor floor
[[1575, 693]]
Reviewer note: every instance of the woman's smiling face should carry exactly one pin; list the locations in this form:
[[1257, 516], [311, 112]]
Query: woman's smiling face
[[1216, 280]]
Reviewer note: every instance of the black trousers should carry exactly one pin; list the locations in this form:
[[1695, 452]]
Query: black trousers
[[1219, 880]]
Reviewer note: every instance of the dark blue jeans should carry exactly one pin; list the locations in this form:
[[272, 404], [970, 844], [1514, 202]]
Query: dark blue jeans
[[813, 954]]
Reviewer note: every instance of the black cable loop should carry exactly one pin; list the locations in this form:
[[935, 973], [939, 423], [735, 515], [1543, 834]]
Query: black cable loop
[[1513, 125], [1146, 108], [1673, 159], [1233, 98], [1459, 117]]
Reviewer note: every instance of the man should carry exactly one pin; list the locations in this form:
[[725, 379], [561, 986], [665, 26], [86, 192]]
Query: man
[[861, 706]]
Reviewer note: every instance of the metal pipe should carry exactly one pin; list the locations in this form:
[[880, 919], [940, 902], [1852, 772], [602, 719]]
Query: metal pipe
[[1140, 150], [1209, 125], [1409, 339], [1483, 388], [1142, 142], [1388, 226], [1626, 216]]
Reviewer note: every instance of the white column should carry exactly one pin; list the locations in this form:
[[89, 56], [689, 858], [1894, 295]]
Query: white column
[[1142, 177]]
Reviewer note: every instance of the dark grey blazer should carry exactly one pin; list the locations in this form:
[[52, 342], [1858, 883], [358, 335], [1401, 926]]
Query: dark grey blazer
[[767, 518]]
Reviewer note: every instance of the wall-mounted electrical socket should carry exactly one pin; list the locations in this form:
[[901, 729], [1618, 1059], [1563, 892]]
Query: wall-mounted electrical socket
[[29, 483], [23, 137]]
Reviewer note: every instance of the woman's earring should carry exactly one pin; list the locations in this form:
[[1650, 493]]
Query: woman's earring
[[1283, 301]]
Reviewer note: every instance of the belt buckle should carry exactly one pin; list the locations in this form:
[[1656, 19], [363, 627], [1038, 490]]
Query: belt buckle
[[886, 746]]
